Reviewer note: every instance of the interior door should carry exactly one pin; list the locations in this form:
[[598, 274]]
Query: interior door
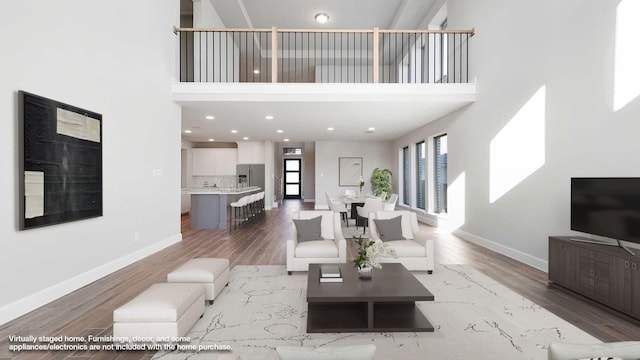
[[292, 178]]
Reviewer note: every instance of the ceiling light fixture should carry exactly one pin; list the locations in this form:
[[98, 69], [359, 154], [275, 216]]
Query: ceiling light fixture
[[234, 131], [329, 129], [285, 140], [209, 117], [211, 140], [245, 138], [256, 71], [269, 117], [321, 18], [187, 131], [279, 131], [371, 129]]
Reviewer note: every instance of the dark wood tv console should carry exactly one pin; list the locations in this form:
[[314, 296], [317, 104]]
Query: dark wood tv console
[[606, 274]]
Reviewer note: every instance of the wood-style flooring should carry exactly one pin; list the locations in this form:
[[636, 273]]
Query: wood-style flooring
[[262, 242]]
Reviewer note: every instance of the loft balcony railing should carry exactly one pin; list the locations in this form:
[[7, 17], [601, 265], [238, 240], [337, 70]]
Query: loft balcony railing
[[324, 56]]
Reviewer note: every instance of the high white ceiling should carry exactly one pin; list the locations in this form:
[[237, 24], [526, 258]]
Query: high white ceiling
[[305, 119]]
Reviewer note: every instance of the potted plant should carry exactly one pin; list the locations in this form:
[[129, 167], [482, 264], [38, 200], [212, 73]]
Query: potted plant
[[368, 257], [381, 182]]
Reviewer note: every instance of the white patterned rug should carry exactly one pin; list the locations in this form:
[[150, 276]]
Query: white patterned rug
[[351, 231], [474, 318]]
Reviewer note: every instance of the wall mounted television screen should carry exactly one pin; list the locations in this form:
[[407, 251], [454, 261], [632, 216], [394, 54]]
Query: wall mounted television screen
[[608, 207], [60, 165]]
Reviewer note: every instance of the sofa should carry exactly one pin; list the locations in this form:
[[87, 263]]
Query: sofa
[[330, 248], [628, 350], [413, 247]]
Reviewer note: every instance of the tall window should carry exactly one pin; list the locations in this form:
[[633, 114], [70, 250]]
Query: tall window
[[405, 175], [420, 175], [440, 153]]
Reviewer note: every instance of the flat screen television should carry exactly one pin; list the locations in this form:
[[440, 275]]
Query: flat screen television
[[608, 207]]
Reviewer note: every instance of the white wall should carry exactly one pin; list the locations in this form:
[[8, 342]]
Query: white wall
[[545, 78], [115, 59], [374, 154]]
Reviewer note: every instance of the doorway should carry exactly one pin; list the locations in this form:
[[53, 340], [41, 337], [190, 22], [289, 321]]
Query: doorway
[[292, 178]]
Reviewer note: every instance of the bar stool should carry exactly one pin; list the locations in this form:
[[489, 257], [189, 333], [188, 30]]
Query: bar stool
[[238, 209]]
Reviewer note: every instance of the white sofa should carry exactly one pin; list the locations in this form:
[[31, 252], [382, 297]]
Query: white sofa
[[333, 249], [416, 251], [566, 351]]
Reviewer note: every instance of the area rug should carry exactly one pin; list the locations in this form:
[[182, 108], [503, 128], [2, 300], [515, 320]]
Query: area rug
[[474, 318], [351, 231]]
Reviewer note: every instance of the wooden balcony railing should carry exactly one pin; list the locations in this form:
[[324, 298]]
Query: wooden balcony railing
[[324, 56]]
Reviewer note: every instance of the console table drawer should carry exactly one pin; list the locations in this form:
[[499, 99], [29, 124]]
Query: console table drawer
[[593, 287], [597, 269]]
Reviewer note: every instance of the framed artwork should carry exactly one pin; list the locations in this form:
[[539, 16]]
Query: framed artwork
[[349, 171], [60, 164]]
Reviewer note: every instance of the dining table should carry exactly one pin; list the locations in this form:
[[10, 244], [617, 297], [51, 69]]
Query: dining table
[[353, 202]]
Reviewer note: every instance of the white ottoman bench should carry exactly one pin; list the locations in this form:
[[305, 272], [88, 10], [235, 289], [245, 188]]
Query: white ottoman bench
[[211, 272], [164, 309]]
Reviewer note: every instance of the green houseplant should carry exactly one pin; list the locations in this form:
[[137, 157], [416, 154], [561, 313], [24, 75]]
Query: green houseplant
[[381, 182]]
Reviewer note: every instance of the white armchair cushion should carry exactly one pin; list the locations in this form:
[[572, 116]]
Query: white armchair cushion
[[407, 230], [316, 249], [389, 229], [308, 229], [326, 224], [408, 248]]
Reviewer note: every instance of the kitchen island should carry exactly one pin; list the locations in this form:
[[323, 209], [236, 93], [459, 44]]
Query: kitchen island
[[210, 206]]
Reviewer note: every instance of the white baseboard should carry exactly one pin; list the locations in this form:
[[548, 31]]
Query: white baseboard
[[533, 261], [31, 302]]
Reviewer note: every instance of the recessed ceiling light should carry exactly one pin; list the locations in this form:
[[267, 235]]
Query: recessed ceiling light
[[286, 140], [245, 138], [371, 129], [269, 117], [279, 131], [209, 117], [321, 18], [256, 71], [187, 131], [234, 131], [329, 129], [211, 140]]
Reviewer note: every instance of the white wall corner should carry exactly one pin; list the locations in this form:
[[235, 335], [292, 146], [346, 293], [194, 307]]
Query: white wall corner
[[515, 254], [31, 302]]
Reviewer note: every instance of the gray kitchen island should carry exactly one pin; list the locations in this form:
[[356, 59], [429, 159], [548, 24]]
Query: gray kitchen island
[[210, 206]]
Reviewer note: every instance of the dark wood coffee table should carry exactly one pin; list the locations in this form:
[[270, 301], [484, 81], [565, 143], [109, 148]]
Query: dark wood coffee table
[[387, 302]]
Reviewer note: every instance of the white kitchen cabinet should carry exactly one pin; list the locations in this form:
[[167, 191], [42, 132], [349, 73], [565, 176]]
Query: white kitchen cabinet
[[251, 152], [214, 162]]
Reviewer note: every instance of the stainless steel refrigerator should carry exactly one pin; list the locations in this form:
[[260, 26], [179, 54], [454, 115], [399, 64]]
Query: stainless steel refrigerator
[[250, 175]]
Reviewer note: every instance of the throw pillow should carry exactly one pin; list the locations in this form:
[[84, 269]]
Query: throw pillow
[[352, 352], [390, 229], [309, 229]]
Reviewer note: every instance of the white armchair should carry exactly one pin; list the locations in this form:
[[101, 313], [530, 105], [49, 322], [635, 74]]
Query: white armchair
[[567, 351], [333, 249], [416, 251]]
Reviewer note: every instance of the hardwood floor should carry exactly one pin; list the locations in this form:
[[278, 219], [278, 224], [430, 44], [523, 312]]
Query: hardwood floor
[[89, 310]]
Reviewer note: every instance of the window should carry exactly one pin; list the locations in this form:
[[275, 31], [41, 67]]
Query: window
[[440, 153], [405, 176], [292, 151], [420, 175]]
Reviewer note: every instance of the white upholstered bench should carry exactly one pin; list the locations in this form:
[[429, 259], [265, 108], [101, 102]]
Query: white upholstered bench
[[211, 272], [164, 309]]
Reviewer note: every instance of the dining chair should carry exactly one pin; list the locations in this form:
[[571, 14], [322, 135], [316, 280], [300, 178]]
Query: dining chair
[[338, 207], [391, 204], [350, 193], [370, 205]]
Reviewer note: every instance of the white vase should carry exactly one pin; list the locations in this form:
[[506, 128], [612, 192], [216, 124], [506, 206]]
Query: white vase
[[365, 273]]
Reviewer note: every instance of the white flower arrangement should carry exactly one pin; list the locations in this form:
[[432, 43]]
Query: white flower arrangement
[[370, 252]]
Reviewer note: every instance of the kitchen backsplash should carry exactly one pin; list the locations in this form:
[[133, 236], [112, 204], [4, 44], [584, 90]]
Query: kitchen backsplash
[[218, 181]]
